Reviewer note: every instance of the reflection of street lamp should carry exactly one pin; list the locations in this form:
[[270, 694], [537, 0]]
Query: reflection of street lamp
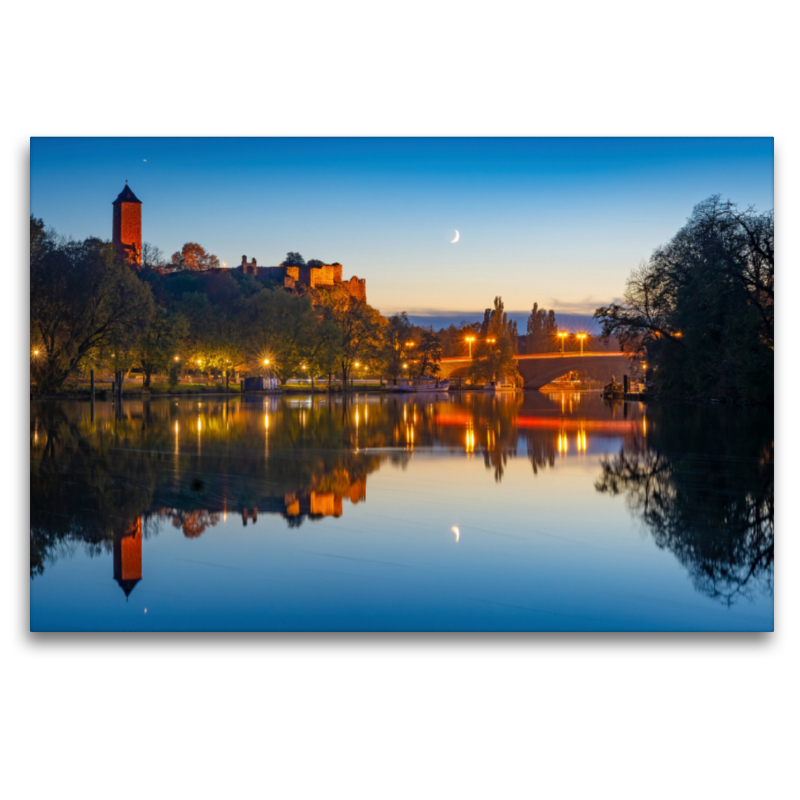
[[470, 340], [581, 337], [563, 335]]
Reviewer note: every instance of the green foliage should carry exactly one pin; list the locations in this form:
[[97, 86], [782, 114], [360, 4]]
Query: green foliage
[[359, 330], [82, 299], [429, 353], [159, 343], [280, 327], [701, 311], [396, 347], [293, 260], [494, 354]]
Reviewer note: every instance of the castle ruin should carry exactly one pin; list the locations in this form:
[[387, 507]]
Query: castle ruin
[[305, 276]]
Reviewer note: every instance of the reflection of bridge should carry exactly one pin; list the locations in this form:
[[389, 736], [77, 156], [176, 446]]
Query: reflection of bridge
[[541, 368]]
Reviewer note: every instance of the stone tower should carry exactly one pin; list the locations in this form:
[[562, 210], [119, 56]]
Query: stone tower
[[127, 226]]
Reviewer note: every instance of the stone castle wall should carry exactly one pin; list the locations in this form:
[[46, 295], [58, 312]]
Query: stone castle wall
[[305, 276]]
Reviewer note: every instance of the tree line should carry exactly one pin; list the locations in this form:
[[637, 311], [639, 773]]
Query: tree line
[[90, 310]]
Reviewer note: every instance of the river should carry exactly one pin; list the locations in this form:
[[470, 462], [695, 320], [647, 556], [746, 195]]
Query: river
[[462, 512]]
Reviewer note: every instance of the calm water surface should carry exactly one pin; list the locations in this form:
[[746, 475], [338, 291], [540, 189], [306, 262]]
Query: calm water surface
[[465, 512]]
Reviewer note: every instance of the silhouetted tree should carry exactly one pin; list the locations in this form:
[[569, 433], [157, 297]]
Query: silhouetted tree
[[494, 354], [82, 298], [700, 312]]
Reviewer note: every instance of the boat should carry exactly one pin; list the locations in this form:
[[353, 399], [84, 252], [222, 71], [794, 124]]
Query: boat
[[413, 385], [500, 386], [614, 390]]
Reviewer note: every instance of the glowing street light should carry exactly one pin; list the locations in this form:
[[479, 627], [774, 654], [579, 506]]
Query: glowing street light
[[405, 366], [470, 340], [563, 335], [581, 337], [177, 358], [491, 341], [266, 362], [411, 344]]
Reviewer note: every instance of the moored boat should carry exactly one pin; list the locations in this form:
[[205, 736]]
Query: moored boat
[[423, 384], [499, 386]]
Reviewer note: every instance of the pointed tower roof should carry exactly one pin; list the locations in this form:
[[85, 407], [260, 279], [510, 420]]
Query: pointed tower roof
[[127, 196], [127, 585]]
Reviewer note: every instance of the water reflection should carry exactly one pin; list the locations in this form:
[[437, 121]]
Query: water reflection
[[702, 482], [107, 479]]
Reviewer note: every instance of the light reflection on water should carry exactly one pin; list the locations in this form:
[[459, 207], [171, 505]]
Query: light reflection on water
[[254, 514]]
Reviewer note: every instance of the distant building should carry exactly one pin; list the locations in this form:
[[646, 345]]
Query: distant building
[[307, 277], [127, 226]]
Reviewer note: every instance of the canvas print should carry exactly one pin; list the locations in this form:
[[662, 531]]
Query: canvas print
[[401, 384]]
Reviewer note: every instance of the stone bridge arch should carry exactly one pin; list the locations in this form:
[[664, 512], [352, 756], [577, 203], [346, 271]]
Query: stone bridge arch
[[538, 370]]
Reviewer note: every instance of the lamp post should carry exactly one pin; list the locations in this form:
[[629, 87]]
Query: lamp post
[[563, 335], [581, 337], [470, 340]]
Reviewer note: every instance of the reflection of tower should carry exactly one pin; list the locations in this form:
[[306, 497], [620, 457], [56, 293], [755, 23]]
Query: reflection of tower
[[128, 557], [127, 226]]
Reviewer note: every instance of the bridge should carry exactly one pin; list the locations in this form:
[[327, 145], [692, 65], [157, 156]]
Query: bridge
[[539, 369]]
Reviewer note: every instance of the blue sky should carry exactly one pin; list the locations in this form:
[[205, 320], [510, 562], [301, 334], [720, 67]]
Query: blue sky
[[558, 221]]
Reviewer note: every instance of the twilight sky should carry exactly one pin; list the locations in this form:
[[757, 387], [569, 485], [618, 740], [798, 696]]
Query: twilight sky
[[557, 221]]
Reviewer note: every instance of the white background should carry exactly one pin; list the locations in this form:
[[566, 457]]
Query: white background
[[395, 716]]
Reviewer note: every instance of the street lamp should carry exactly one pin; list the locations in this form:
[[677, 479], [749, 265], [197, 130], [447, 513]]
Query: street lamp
[[563, 335], [470, 340], [266, 361], [581, 337], [491, 341]]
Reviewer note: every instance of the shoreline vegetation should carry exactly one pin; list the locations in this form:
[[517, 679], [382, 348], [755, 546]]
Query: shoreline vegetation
[[696, 322], [700, 314]]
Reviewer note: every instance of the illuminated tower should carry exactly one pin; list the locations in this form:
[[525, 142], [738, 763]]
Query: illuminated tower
[[128, 557], [127, 226]]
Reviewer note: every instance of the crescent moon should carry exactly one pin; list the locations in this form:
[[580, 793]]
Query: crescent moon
[[456, 239]]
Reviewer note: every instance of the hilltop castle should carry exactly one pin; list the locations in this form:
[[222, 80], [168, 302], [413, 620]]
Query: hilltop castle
[[308, 276], [126, 234]]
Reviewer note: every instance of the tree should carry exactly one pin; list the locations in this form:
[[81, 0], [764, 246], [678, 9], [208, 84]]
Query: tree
[[320, 349], [701, 310], [494, 355], [429, 353], [193, 256], [280, 328], [454, 339], [359, 329], [159, 342], [396, 338], [152, 256], [293, 260], [82, 297], [542, 331]]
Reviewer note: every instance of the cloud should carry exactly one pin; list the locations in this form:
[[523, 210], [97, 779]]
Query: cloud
[[587, 306]]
